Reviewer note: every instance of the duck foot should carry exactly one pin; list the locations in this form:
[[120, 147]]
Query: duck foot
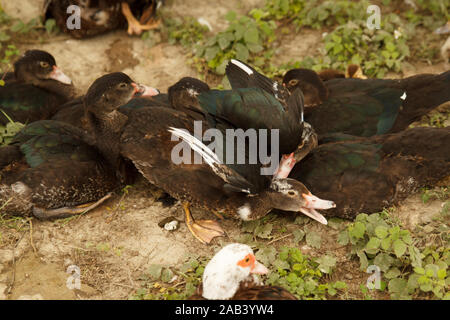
[[134, 26], [65, 212], [203, 230]]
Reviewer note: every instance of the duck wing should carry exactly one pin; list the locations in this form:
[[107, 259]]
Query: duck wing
[[367, 107], [241, 75]]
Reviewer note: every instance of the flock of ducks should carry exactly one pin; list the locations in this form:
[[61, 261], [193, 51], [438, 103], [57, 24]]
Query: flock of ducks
[[342, 139]]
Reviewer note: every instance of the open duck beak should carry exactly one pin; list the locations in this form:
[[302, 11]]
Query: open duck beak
[[312, 203], [259, 268], [144, 91], [58, 75]]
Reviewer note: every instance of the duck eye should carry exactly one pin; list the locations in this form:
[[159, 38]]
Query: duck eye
[[247, 261], [123, 85], [43, 64], [291, 193], [293, 82]]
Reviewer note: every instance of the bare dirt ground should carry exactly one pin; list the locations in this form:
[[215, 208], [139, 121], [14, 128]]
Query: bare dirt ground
[[114, 244]]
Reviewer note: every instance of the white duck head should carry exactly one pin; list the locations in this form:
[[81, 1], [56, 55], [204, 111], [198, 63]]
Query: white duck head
[[230, 266]]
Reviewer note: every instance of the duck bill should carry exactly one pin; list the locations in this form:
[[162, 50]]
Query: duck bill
[[259, 268], [144, 91], [313, 203], [313, 214], [58, 75]]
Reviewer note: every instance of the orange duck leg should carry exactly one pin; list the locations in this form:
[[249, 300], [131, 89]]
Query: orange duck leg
[[135, 26], [203, 230]]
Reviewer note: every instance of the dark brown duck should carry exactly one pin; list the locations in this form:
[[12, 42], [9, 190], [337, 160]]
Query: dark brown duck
[[36, 90], [366, 175]]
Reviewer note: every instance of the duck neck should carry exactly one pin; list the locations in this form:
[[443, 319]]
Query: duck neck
[[254, 207], [65, 91], [106, 129]]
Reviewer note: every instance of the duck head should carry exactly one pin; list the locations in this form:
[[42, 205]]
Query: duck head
[[186, 91], [109, 92], [291, 195], [38, 68], [313, 88], [229, 267], [354, 71]]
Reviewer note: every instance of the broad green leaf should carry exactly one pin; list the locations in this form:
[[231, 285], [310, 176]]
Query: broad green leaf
[[313, 239], [419, 270], [326, 263], [264, 231], [239, 32], [374, 243], [297, 267], [426, 287], [301, 220], [399, 247], [386, 243], [383, 261], [407, 238], [390, 46], [431, 270], [250, 226], [241, 52], [397, 285], [340, 285], [254, 47], [220, 69], [363, 262], [154, 271], [338, 48], [332, 291], [296, 255], [299, 234], [266, 255], [251, 35], [335, 223], [381, 232], [336, 38], [415, 256], [211, 41], [211, 53], [442, 274], [223, 43], [392, 273], [358, 230], [343, 238], [412, 282], [230, 16], [280, 264]]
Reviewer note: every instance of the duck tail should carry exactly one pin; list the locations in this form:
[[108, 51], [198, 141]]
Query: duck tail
[[424, 150], [423, 93]]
